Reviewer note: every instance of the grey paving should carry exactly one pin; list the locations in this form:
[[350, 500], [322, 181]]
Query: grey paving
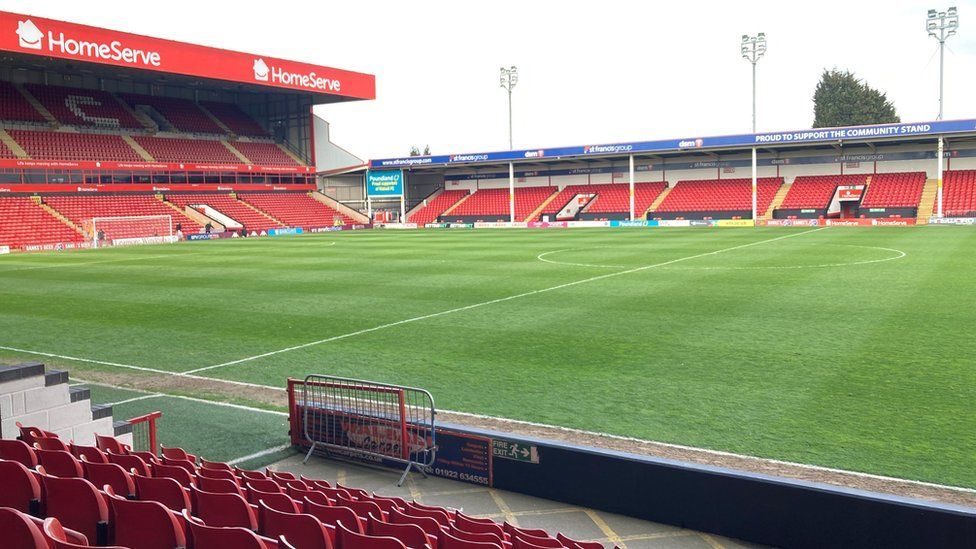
[[518, 509]]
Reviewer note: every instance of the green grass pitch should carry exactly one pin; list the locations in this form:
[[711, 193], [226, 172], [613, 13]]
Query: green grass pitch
[[849, 348]]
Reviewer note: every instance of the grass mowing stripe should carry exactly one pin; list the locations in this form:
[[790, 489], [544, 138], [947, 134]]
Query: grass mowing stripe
[[499, 300]]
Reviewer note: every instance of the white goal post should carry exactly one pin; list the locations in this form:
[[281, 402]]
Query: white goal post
[[130, 230]]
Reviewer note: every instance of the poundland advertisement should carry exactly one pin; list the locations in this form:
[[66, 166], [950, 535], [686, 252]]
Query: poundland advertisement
[[384, 183]]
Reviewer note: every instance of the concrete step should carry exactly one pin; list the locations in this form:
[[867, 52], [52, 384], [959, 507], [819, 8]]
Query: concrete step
[[79, 393]]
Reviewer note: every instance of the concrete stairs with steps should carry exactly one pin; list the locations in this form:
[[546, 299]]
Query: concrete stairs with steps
[[38, 106], [657, 201], [535, 214], [236, 152], [154, 118], [458, 203], [40, 397], [143, 119], [137, 147], [216, 120], [62, 218], [777, 200], [262, 212], [340, 207], [193, 214], [927, 206], [14, 146]]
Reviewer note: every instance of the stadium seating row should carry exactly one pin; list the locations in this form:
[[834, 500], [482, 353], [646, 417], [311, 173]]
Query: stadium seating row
[[959, 193], [720, 195], [894, 190], [100, 109], [23, 222], [54, 145], [57, 494], [816, 191]]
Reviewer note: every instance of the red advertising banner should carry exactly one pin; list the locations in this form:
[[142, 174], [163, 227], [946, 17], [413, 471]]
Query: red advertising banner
[[147, 166], [48, 37], [872, 222], [127, 187], [850, 193]]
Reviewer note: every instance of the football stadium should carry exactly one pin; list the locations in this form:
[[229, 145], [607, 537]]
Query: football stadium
[[220, 329]]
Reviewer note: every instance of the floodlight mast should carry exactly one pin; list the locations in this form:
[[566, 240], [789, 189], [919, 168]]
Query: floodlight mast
[[941, 25], [508, 78], [752, 49]]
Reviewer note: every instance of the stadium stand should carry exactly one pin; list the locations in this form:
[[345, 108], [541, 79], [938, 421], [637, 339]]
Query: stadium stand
[[264, 153], [235, 119], [295, 209], [565, 195], [86, 108], [816, 191], [231, 207], [959, 193], [894, 190], [492, 203], [616, 198], [182, 149], [79, 208], [436, 207], [14, 107], [24, 222], [5, 151], [184, 115], [40, 510], [715, 195], [49, 145]]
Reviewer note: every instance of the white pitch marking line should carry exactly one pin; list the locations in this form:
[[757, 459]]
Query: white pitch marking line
[[135, 399], [256, 455], [900, 255], [494, 301], [541, 257]]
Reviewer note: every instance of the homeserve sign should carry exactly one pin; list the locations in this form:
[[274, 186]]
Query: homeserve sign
[[32, 38], [265, 73]]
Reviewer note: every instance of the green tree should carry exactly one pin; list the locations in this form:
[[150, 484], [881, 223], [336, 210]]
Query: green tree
[[841, 99], [415, 151]]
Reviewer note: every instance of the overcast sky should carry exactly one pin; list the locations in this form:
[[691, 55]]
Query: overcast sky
[[590, 72]]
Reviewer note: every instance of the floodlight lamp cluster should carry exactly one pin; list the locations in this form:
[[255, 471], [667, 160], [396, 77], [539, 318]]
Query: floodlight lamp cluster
[[508, 77], [753, 47], [942, 24]]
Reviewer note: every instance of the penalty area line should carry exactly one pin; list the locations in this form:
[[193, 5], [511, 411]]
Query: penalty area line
[[495, 301]]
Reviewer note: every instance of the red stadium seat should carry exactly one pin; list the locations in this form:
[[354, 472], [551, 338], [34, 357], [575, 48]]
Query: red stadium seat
[[70, 535], [221, 474], [144, 524], [19, 451], [218, 485], [483, 537], [333, 515], [493, 204], [58, 537], [51, 443], [30, 434], [436, 206], [274, 500], [60, 463], [347, 539], [521, 540], [77, 504], [719, 195], [105, 443], [438, 514], [101, 474], [301, 529], [410, 534], [298, 494], [90, 453], [25, 222], [184, 463], [222, 509], [362, 508], [894, 190], [215, 465], [451, 541], [476, 525], [264, 485], [251, 475], [202, 536], [19, 532], [19, 489], [179, 474], [129, 462], [162, 490], [573, 544], [427, 524]]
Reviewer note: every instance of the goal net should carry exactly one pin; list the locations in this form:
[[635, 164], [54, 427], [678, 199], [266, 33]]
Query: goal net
[[130, 230]]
